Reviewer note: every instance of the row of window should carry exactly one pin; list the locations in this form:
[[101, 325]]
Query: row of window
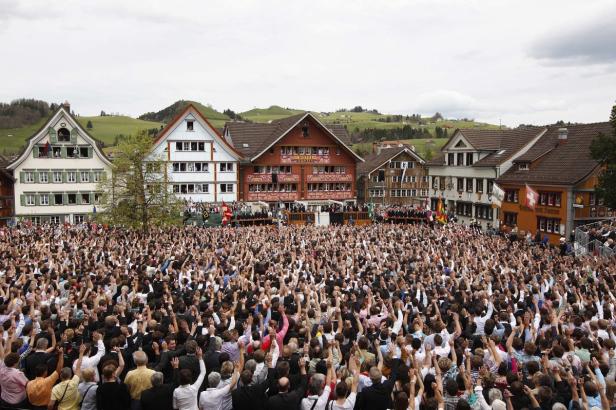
[[378, 193], [335, 186], [545, 198], [281, 169], [402, 164], [272, 188], [400, 179], [47, 151], [60, 198], [190, 188], [547, 225], [190, 146], [201, 167], [481, 211], [464, 184], [460, 158], [328, 169], [59, 177], [307, 150], [55, 219], [400, 193]]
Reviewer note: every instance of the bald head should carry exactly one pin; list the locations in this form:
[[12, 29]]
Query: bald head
[[283, 384]]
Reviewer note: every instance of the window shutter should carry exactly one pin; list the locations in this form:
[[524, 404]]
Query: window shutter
[[65, 198], [63, 151], [74, 136], [37, 200], [36, 177], [91, 176], [22, 177], [35, 151], [89, 152], [22, 200], [50, 177], [64, 177], [53, 136], [78, 177], [91, 197], [78, 198], [52, 199]]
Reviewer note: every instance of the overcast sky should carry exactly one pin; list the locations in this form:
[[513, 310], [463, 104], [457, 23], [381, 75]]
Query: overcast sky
[[514, 61]]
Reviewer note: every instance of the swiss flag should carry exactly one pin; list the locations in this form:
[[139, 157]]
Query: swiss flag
[[532, 197]]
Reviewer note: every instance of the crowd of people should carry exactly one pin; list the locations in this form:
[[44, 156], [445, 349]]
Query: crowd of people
[[604, 232], [375, 317]]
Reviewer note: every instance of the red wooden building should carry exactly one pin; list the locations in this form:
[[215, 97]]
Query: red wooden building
[[294, 159], [6, 192]]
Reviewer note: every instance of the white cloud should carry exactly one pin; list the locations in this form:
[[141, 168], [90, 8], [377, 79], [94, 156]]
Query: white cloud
[[467, 59]]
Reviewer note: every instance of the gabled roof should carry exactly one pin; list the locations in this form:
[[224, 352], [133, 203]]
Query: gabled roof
[[253, 139], [42, 132], [376, 160], [559, 163], [501, 144], [190, 108]]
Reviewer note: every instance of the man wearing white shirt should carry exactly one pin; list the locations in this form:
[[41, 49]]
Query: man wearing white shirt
[[92, 362]]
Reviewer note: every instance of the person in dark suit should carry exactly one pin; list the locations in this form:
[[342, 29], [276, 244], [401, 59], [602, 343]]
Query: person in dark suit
[[166, 356], [212, 354], [288, 399], [249, 396], [39, 356], [189, 360], [378, 396], [159, 396]]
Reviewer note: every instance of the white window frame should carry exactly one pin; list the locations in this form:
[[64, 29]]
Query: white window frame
[[87, 176], [30, 200], [57, 177], [97, 176], [74, 177], [29, 177], [44, 199], [43, 177], [226, 186]]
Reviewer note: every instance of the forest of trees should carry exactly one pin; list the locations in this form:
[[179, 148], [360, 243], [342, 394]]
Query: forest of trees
[[400, 133], [24, 112]]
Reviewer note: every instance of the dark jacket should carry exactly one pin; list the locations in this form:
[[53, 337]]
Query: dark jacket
[[33, 360], [192, 363], [378, 396], [112, 396], [158, 397], [288, 401]]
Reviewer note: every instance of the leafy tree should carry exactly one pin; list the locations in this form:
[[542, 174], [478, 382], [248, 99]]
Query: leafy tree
[[428, 154], [357, 108], [136, 194], [603, 150], [89, 125]]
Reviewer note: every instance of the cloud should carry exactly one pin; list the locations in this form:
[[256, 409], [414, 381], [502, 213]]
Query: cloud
[[589, 42], [448, 102]]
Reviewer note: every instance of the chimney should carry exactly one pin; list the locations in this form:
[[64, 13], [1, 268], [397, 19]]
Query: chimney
[[563, 133], [66, 105]]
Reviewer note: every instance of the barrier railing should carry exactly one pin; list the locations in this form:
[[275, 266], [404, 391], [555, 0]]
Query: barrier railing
[[584, 243]]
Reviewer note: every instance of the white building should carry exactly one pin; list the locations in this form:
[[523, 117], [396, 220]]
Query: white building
[[58, 172], [201, 165], [462, 176]]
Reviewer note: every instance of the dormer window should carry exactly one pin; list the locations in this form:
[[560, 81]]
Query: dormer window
[[64, 135], [523, 166], [305, 129], [190, 125]]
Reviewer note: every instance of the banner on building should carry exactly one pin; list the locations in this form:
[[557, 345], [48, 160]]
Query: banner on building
[[532, 197], [498, 195]]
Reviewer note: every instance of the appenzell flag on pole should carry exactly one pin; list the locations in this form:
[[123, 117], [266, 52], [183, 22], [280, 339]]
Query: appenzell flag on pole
[[226, 213], [532, 197]]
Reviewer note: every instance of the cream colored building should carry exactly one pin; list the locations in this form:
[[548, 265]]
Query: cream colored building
[[57, 174]]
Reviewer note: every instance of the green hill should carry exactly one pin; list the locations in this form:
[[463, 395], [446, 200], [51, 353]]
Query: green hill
[[104, 129], [165, 115], [274, 112]]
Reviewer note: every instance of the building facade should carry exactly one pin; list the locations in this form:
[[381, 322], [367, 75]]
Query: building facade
[[393, 176], [201, 166], [295, 159], [560, 169], [463, 174], [57, 174]]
